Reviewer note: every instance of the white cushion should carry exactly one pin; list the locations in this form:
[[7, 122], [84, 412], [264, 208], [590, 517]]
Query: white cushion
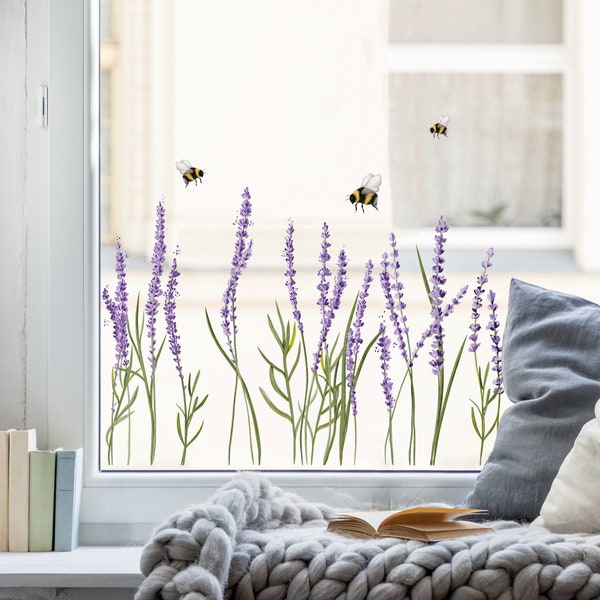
[[573, 502]]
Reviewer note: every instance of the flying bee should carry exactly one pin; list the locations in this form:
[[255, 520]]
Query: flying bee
[[441, 127], [189, 173], [366, 194]]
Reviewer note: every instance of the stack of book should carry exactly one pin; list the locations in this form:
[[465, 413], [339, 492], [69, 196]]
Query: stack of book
[[40, 494]]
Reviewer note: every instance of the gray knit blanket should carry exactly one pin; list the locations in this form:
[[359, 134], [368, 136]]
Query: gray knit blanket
[[253, 540]]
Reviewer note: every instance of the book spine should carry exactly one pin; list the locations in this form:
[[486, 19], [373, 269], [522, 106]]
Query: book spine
[[3, 491], [19, 444], [41, 500], [67, 500]]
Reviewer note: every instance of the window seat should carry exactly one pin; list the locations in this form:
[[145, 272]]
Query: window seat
[[84, 567]]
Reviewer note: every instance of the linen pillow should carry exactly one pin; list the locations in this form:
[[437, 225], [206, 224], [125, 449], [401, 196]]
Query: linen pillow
[[551, 360], [573, 501]]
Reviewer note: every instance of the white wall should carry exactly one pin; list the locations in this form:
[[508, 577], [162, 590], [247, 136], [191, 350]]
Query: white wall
[[13, 233]]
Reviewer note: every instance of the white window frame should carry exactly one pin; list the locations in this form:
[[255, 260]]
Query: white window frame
[[62, 379]]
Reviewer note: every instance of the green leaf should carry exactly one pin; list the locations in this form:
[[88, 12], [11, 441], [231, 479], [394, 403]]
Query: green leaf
[[272, 406], [271, 364], [195, 436], [423, 275]]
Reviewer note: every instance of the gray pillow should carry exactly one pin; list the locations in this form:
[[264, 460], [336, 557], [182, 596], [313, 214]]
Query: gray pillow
[[552, 375]]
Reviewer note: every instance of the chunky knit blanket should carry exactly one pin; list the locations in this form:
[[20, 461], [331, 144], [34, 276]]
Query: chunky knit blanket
[[253, 540]]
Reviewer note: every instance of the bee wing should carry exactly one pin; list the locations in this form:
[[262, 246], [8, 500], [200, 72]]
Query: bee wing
[[183, 166], [443, 120], [371, 182]]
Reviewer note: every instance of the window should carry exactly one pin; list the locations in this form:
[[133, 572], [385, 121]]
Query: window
[[503, 75], [120, 498]]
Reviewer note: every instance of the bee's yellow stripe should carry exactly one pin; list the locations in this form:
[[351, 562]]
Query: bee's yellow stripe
[[368, 198]]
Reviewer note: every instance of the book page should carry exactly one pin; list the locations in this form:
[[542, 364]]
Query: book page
[[372, 517], [426, 514]]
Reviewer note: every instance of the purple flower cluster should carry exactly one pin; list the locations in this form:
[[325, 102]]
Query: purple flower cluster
[[241, 255], [393, 291], [494, 327], [154, 287], [383, 343], [118, 311], [290, 274], [328, 305], [482, 279], [354, 336], [437, 295], [170, 319]]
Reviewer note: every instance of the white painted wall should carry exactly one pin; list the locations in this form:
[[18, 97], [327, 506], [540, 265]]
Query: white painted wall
[[13, 232]]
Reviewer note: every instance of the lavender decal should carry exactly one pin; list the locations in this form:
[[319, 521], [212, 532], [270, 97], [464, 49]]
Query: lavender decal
[[383, 344], [439, 312], [488, 395], [393, 292], [122, 373], [327, 395], [147, 320], [336, 373], [354, 361], [285, 337], [191, 403], [313, 378], [241, 255]]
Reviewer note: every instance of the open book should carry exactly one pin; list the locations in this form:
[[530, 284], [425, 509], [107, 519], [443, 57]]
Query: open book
[[427, 523]]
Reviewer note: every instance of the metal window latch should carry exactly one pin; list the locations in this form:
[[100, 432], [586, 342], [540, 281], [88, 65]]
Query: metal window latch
[[42, 106]]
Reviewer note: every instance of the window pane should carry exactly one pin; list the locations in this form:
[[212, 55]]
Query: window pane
[[476, 21], [501, 162], [295, 122]]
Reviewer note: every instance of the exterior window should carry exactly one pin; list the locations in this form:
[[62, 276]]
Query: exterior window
[[499, 75], [502, 162]]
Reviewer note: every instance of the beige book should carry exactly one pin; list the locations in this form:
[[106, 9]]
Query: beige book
[[3, 491], [21, 441]]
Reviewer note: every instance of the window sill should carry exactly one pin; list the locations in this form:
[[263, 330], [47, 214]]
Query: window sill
[[84, 567]]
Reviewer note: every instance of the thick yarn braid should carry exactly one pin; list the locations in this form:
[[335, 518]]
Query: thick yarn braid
[[189, 555], [239, 546]]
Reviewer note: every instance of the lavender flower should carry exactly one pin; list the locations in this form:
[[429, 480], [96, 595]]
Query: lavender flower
[[323, 287], [154, 287], [241, 255], [437, 295], [482, 279], [438, 311], [339, 283], [170, 319], [494, 327], [118, 310], [383, 342], [354, 337], [393, 291], [330, 305], [290, 273]]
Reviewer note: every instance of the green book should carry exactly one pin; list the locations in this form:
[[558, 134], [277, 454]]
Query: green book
[[42, 465], [67, 499]]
